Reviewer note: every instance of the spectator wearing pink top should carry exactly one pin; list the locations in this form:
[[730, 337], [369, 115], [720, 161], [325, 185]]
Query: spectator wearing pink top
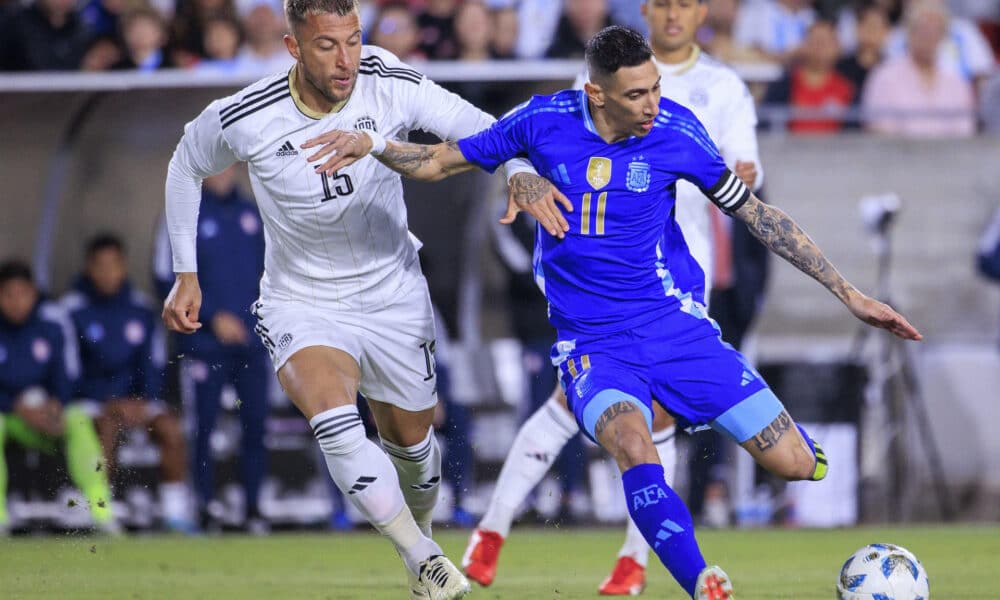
[[912, 95]]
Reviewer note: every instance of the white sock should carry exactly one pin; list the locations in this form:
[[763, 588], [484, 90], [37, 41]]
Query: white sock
[[174, 501], [419, 470], [534, 450], [666, 446], [368, 480]]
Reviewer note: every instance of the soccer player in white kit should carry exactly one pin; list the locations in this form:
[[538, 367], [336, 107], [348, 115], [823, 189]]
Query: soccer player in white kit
[[343, 305], [722, 102]]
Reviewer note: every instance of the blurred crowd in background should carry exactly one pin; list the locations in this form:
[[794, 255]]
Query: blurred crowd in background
[[885, 55]]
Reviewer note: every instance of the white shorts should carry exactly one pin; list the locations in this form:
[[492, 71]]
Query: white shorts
[[393, 346]]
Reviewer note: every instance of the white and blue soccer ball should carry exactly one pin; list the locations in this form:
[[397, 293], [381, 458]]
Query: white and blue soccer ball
[[883, 572]]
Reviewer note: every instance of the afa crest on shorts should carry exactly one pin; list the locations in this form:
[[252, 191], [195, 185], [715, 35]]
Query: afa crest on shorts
[[638, 177], [599, 172]]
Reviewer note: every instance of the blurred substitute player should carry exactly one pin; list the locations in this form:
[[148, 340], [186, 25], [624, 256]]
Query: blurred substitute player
[[38, 363], [628, 331], [343, 305], [722, 102], [122, 356]]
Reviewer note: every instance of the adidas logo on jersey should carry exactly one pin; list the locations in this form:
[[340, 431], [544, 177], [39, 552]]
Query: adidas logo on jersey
[[287, 150]]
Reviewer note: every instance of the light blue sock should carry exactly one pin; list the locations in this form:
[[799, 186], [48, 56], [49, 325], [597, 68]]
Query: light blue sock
[[665, 522]]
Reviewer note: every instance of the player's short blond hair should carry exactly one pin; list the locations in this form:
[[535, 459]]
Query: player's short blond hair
[[296, 11]]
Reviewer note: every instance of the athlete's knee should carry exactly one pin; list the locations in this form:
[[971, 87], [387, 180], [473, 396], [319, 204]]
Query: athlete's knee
[[339, 431], [633, 446]]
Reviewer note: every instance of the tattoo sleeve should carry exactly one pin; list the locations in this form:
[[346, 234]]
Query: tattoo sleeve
[[768, 438], [615, 410], [418, 161], [784, 237]]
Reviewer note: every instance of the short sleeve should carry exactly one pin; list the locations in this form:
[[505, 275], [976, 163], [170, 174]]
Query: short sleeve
[[703, 166], [506, 139]]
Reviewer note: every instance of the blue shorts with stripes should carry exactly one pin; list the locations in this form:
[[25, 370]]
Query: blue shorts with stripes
[[681, 361]]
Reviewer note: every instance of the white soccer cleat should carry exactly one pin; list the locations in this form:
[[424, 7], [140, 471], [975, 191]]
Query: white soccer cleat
[[418, 591], [441, 579], [713, 584]]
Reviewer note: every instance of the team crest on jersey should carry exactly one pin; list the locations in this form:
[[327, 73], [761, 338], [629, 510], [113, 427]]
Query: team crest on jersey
[[639, 175], [698, 97], [366, 123], [41, 350], [135, 332], [599, 172]]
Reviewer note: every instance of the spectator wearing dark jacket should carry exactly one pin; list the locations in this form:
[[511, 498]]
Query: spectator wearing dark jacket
[[46, 36]]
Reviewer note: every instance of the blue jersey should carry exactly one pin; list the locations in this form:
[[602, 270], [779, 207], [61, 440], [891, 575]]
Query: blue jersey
[[37, 353], [121, 343], [624, 261], [229, 228]]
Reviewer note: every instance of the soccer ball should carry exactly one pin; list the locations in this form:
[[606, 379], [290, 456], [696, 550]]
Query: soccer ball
[[883, 572]]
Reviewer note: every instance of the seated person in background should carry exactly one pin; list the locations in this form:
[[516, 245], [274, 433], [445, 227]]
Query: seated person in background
[[396, 30], [962, 48], [222, 43], [774, 27], [813, 85], [264, 27], [871, 34], [913, 95], [38, 362], [122, 360], [45, 35], [580, 21], [716, 35], [145, 37]]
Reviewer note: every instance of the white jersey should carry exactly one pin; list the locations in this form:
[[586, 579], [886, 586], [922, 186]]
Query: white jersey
[[723, 104], [340, 241]]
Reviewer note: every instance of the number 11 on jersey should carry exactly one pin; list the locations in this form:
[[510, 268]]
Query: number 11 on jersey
[[602, 201]]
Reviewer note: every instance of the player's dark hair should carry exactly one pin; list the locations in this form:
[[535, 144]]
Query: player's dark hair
[[13, 269], [296, 11], [104, 241], [615, 47]]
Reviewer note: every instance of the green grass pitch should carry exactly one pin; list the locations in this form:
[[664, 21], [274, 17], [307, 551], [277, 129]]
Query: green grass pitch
[[540, 564]]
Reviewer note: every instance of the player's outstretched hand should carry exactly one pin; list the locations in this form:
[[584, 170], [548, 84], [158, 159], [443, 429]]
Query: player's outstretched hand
[[342, 147], [180, 309], [536, 196], [878, 314]]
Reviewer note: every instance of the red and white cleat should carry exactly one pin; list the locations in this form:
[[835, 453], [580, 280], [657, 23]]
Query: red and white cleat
[[627, 579], [481, 555], [713, 584]]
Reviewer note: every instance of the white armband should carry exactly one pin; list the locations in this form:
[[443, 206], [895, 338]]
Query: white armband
[[378, 142]]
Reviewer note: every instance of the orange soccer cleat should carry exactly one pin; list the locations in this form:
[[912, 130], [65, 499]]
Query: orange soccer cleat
[[713, 584], [627, 579], [481, 555]]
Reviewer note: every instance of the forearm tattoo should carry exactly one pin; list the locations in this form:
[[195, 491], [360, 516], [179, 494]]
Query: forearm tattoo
[[414, 159], [528, 188], [784, 237], [768, 438], [614, 411]]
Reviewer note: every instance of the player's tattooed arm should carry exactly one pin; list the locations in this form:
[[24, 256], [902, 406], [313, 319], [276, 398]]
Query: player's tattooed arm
[[338, 149], [427, 163], [785, 238]]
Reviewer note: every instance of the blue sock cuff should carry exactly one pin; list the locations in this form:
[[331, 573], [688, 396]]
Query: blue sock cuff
[[640, 475], [808, 439]]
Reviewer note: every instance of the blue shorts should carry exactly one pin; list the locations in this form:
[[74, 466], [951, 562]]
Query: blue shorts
[[681, 361]]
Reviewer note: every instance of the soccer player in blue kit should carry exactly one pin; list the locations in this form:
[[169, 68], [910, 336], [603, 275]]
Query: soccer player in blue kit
[[619, 283]]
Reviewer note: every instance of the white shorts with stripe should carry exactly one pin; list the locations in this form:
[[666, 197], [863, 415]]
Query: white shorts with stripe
[[393, 346]]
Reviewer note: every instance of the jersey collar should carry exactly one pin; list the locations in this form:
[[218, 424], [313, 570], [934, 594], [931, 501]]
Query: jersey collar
[[684, 67], [299, 104], [588, 121]]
